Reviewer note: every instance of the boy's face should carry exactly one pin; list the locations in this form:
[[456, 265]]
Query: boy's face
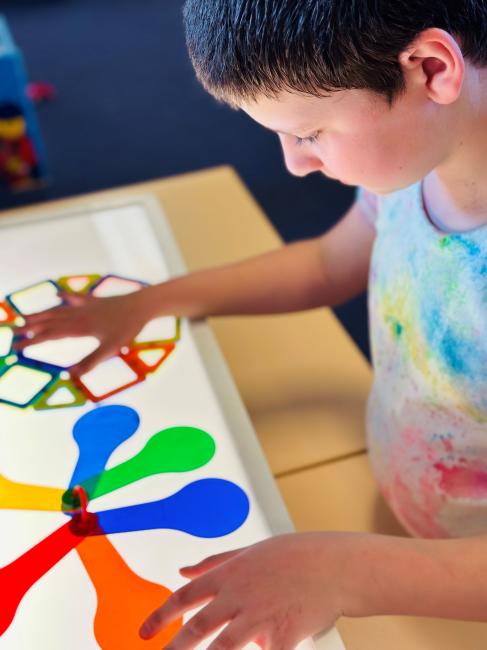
[[360, 139]]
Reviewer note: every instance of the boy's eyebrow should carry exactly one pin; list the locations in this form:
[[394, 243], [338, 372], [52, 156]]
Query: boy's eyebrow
[[293, 135]]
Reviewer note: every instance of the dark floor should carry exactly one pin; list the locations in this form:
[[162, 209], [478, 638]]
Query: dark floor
[[129, 109]]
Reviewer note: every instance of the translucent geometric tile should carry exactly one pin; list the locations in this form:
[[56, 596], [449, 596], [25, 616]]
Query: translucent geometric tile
[[78, 283], [7, 361], [107, 378], [60, 394], [7, 314], [35, 298], [6, 338], [151, 358], [19, 384], [35, 375], [62, 353], [148, 359], [112, 285], [159, 330]]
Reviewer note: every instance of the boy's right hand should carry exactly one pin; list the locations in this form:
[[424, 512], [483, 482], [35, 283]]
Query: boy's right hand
[[114, 321]]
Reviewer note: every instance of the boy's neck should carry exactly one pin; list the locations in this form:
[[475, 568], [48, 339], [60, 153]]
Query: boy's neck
[[456, 191]]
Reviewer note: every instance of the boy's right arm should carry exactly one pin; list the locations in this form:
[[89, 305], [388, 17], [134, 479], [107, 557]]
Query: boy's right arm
[[326, 270]]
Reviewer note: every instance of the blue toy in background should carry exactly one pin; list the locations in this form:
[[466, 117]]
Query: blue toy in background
[[22, 158]]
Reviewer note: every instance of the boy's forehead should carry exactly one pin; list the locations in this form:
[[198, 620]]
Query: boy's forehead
[[295, 113], [286, 112]]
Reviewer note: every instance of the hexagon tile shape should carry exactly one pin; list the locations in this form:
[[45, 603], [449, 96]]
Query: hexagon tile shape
[[39, 376]]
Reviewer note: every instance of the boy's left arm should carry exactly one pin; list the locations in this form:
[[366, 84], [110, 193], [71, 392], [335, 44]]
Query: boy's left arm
[[287, 588]]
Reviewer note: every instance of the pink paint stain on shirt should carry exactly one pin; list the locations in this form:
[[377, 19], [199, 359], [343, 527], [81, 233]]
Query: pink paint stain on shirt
[[463, 481]]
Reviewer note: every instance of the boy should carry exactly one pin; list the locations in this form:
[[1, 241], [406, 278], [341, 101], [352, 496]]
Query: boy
[[389, 95]]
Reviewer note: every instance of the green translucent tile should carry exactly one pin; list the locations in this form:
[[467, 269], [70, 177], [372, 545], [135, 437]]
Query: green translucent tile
[[61, 394]]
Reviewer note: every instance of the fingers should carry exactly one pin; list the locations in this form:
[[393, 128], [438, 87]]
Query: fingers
[[36, 321], [188, 597], [234, 637], [74, 299], [60, 318], [88, 363], [40, 317], [204, 623], [208, 563], [38, 336], [55, 313]]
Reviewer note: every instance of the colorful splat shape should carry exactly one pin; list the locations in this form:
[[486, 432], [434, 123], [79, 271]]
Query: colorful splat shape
[[210, 507], [17, 577], [177, 449], [98, 433], [7, 315], [78, 283], [147, 359], [124, 599], [22, 496], [61, 394]]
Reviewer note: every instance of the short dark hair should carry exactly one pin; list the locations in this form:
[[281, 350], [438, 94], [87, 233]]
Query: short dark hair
[[242, 49]]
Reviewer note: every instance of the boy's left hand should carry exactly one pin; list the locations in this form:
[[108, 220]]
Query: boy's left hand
[[276, 593]]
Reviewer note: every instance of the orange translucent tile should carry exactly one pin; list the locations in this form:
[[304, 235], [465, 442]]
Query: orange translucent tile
[[147, 359]]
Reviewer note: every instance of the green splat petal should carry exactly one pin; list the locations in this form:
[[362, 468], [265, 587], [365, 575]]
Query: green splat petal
[[177, 449]]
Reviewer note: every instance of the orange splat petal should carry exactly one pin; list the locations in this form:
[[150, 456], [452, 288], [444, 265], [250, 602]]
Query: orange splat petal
[[125, 599]]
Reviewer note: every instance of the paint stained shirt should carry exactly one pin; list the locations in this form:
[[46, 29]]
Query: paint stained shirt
[[427, 412]]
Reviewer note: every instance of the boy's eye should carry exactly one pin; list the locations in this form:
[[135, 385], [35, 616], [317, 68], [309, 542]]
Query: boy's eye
[[309, 140]]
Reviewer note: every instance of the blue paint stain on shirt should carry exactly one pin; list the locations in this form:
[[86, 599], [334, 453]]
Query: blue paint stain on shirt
[[456, 353], [471, 247]]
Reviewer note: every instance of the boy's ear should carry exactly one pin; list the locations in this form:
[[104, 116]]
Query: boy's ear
[[435, 60]]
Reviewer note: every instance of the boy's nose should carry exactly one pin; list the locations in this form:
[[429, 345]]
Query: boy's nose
[[299, 160]]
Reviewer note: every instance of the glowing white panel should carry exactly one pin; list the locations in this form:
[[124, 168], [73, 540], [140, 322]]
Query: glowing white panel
[[62, 352], [158, 329], [36, 298], [193, 390]]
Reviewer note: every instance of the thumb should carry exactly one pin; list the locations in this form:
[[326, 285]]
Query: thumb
[[208, 564]]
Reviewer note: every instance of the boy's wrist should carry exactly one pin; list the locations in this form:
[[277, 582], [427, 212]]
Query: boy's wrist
[[375, 569], [150, 302], [387, 575]]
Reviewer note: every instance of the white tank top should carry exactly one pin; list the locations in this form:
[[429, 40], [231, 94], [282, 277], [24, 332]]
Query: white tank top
[[427, 412]]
